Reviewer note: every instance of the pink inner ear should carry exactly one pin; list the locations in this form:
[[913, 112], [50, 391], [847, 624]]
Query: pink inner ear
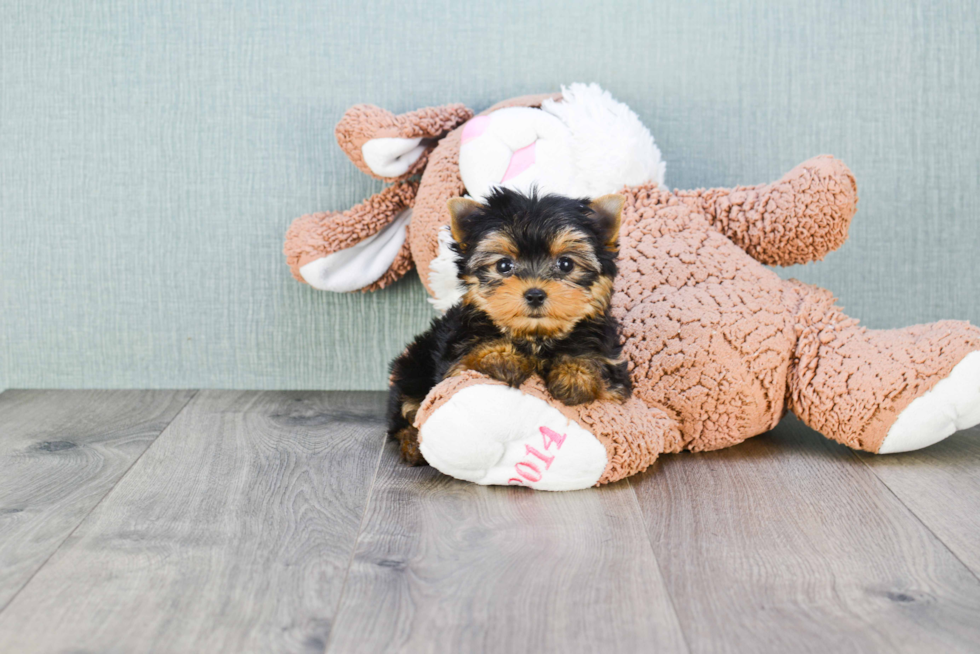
[[474, 127], [520, 161]]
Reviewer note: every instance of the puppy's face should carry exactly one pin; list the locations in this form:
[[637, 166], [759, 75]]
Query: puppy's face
[[537, 265]]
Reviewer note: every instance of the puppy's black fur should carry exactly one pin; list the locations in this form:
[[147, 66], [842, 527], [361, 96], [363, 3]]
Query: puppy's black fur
[[538, 274]]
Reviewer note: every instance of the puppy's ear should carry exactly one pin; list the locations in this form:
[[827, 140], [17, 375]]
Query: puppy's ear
[[609, 211], [461, 209]]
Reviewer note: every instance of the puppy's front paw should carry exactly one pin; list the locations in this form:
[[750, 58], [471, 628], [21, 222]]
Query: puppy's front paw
[[575, 381], [501, 362]]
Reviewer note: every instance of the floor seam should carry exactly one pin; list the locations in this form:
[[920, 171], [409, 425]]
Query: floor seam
[[660, 571], [916, 516], [97, 504], [357, 539]]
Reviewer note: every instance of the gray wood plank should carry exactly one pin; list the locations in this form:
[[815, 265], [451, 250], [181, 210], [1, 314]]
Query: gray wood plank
[[231, 534], [941, 485], [447, 566], [60, 453], [789, 543]]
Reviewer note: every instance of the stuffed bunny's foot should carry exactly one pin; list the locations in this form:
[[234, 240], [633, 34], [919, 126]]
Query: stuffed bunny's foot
[[952, 404], [496, 435]]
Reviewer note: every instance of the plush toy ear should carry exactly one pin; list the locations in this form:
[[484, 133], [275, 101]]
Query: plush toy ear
[[392, 157], [460, 209], [609, 211], [391, 147]]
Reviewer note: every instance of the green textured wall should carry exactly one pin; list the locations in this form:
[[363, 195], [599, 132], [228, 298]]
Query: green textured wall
[[153, 153]]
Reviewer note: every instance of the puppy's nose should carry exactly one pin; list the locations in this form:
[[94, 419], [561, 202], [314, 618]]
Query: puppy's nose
[[535, 297]]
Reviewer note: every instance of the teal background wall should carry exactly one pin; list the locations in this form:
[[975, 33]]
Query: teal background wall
[[152, 154]]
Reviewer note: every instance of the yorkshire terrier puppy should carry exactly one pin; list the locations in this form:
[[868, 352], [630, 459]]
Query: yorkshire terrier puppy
[[538, 273]]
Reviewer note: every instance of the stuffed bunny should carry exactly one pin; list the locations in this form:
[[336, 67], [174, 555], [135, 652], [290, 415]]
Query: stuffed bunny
[[719, 347]]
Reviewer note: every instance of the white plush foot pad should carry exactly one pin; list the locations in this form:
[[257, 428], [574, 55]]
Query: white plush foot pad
[[951, 405], [497, 435]]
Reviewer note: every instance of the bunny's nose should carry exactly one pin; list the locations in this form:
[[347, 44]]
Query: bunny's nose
[[535, 297]]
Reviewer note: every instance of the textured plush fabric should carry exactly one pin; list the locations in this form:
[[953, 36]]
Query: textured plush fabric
[[755, 217], [153, 154], [719, 340]]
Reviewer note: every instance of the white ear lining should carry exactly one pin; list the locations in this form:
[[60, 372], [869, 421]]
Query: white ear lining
[[392, 157], [361, 264]]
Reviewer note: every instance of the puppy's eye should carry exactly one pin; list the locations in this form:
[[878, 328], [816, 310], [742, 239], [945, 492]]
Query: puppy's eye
[[565, 264], [505, 266]]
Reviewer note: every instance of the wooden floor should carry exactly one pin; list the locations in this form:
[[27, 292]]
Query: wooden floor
[[227, 521]]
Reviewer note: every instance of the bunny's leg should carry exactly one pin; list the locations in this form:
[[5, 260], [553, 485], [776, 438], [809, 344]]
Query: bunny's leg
[[479, 430], [882, 390], [363, 248]]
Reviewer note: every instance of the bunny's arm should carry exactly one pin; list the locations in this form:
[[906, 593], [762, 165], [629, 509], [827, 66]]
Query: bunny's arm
[[798, 219]]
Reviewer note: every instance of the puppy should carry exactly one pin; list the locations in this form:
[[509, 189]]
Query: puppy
[[538, 273]]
